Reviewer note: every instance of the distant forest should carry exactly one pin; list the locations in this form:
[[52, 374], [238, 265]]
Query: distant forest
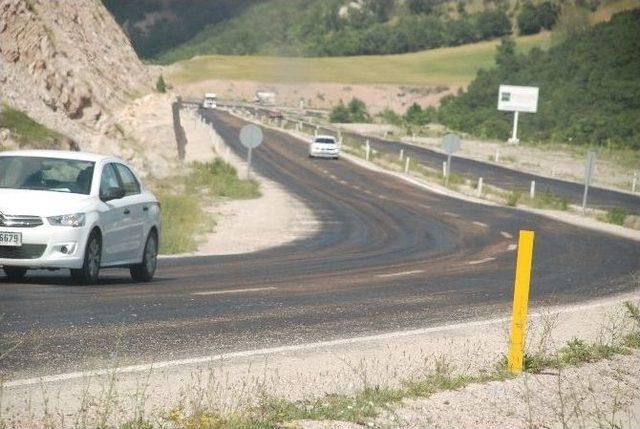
[[589, 89], [172, 30]]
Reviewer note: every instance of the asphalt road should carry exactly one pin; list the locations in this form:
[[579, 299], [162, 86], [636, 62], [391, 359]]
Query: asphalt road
[[389, 257]]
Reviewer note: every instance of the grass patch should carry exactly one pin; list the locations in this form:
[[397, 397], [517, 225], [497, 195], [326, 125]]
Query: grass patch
[[26, 130], [513, 197], [616, 216], [220, 179], [184, 205], [444, 66], [548, 200]]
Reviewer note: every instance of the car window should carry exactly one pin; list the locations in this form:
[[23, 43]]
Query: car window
[[109, 179], [325, 140], [129, 181], [46, 174]]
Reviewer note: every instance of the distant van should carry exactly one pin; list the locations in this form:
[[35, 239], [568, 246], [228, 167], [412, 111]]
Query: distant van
[[265, 98], [210, 101]]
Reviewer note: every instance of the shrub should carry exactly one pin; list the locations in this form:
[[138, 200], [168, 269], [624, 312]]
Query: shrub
[[161, 85]]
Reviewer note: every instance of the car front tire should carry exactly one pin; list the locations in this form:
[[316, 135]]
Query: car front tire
[[145, 271], [90, 270], [15, 274]]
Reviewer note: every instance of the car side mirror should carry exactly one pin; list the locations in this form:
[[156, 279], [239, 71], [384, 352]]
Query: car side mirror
[[113, 194]]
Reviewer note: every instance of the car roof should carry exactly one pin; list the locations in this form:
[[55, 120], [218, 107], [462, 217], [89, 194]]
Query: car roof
[[325, 137], [62, 154]]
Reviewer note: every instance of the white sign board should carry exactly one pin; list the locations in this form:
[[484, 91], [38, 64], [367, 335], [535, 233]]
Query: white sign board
[[518, 98]]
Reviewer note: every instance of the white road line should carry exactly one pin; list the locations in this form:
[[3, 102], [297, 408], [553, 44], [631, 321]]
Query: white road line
[[506, 234], [481, 261], [483, 225], [451, 214], [228, 291], [343, 182], [144, 368], [382, 197], [424, 206], [512, 247], [403, 273]]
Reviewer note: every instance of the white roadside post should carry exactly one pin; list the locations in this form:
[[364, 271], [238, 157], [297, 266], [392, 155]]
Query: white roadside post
[[251, 138], [591, 160], [450, 143], [401, 157], [444, 169], [498, 155], [479, 190], [517, 99], [367, 150], [532, 190], [406, 165], [634, 182]]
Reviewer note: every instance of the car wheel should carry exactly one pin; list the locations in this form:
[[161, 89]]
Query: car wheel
[[144, 271], [90, 270], [15, 274]]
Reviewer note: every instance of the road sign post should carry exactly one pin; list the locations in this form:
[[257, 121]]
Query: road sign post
[[517, 99], [451, 143], [591, 160], [250, 137], [520, 301]]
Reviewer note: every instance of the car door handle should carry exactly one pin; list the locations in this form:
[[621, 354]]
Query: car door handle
[[145, 209], [127, 211]]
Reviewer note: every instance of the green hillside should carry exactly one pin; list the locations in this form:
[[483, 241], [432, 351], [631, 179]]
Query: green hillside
[[445, 66], [339, 28], [589, 89]]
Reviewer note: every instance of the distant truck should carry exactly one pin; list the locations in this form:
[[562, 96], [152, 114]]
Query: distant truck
[[210, 101], [265, 98]]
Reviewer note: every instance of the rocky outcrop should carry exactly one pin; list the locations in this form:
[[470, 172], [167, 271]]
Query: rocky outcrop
[[68, 65]]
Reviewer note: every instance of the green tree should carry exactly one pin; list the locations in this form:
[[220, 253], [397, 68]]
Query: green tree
[[528, 22], [506, 58], [358, 111], [340, 114], [161, 85]]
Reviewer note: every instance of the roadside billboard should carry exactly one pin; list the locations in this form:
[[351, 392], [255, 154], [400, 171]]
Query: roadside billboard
[[518, 98]]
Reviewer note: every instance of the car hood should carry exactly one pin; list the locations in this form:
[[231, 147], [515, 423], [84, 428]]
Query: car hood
[[42, 203]]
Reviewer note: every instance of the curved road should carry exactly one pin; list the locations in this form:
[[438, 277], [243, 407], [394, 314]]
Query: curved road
[[389, 256]]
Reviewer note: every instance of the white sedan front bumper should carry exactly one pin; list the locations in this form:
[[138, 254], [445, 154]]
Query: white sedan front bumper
[[46, 246]]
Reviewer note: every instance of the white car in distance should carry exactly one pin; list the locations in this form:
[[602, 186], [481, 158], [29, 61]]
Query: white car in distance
[[324, 146], [77, 211], [210, 101]]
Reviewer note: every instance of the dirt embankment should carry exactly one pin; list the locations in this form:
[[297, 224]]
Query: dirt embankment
[[69, 66], [324, 95]]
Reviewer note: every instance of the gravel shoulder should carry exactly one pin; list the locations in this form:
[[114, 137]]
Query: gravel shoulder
[[345, 366], [274, 219]]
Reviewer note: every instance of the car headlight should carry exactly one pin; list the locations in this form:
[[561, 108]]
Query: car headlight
[[74, 220]]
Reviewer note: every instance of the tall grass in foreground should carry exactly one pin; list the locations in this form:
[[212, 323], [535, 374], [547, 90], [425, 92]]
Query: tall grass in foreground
[[184, 205]]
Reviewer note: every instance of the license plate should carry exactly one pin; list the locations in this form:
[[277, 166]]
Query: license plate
[[13, 239]]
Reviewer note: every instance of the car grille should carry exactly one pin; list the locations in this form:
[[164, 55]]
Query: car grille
[[26, 251], [20, 221]]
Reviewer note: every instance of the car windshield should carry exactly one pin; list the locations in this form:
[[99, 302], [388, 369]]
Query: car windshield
[[326, 140], [46, 174]]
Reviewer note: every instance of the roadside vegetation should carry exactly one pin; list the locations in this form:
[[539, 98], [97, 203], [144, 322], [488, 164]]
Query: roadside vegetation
[[587, 82], [27, 131], [185, 201], [374, 401]]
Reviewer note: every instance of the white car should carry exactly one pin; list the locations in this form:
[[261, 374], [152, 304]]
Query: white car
[[324, 147], [210, 101], [77, 211]]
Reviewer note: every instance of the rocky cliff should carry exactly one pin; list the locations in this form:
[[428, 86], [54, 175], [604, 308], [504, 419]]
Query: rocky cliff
[[68, 65]]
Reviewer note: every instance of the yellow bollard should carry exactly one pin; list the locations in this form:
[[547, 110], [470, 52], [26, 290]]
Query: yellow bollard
[[520, 301]]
